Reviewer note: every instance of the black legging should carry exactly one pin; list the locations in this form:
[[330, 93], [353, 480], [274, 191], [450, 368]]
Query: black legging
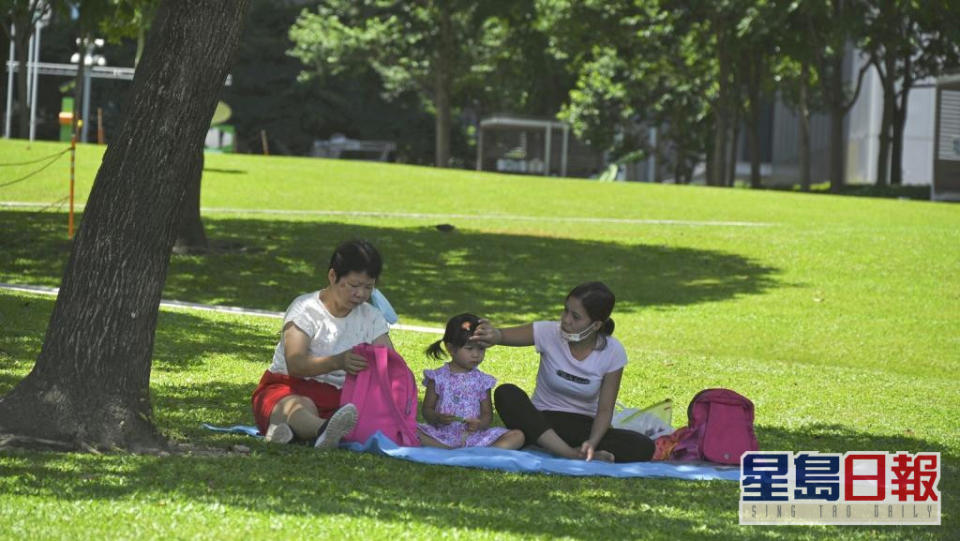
[[517, 411]]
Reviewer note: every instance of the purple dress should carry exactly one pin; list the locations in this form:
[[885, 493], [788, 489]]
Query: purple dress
[[460, 395]]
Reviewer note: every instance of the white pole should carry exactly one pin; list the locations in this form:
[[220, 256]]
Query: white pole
[[33, 91], [27, 71], [479, 147], [6, 124], [652, 157], [566, 145], [86, 100]]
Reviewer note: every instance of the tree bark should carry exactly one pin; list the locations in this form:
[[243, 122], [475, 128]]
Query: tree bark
[[90, 384], [733, 147], [837, 112], [899, 124], [191, 238], [442, 88], [804, 144], [886, 74], [442, 123], [716, 162], [896, 151], [753, 123]]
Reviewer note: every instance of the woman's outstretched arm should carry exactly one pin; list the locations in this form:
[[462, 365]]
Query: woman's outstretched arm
[[489, 335]]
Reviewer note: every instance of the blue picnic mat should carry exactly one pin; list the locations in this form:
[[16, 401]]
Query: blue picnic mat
[[524, 461]]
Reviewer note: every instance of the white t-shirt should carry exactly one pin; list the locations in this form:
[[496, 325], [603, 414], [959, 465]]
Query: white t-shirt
[[329, 335], [564, 383]]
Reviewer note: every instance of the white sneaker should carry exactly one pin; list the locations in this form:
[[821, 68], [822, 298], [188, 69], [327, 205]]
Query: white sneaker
[[337, 426], [279, 433]]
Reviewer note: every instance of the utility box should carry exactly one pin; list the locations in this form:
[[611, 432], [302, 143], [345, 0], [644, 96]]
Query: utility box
[[946, 141], [221, 138]]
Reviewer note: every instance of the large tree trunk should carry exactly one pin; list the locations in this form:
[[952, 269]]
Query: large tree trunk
[[90, 384], [191, 238]]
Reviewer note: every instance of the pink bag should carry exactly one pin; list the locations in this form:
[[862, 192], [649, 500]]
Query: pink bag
[[385, 395], [720, 428]]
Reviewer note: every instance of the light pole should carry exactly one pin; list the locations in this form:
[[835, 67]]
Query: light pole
[[30, 71], [89, 60], [6, 121]]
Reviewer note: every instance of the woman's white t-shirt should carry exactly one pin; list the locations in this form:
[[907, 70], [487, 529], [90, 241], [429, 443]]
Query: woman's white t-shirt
[[563, 382], [329, 335]]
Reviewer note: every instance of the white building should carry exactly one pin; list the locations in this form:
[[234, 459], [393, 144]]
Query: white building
[[862, 132]]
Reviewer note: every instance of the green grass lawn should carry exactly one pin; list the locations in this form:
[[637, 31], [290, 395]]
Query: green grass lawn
[[838, 316]]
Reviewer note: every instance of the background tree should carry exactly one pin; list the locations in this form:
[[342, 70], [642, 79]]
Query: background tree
[[429, 47], [89, 14], [718, 37], [760, 31], [516, 71], [266, 95], [833, 27], [22, 16], [906, 41], [797, 83], [90, 384], [639, 65], [129, 19]]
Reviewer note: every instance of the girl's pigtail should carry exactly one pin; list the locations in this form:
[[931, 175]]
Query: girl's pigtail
[[435, 350]]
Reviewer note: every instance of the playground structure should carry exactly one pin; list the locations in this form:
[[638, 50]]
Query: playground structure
[[513, 144]]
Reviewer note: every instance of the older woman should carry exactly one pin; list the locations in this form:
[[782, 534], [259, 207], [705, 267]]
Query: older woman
[[577, 383], [299, 395]]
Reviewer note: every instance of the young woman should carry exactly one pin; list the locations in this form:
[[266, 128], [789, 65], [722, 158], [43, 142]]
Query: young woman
[[581, 365]]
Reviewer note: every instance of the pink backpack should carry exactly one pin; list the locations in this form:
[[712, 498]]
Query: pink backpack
[[720, 428], [385, 395]]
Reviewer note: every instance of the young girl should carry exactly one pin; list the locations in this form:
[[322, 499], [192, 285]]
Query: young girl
[[457, 406]]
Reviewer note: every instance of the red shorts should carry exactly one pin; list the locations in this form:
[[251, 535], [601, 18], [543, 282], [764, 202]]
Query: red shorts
[[274, 387]]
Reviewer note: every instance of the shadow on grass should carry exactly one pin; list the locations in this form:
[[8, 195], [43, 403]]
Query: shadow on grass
[[301, 482], [183, 339], [428, 274], [228, 171]]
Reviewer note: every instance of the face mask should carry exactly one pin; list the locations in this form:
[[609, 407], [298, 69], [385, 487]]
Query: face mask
[[576, 337]]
